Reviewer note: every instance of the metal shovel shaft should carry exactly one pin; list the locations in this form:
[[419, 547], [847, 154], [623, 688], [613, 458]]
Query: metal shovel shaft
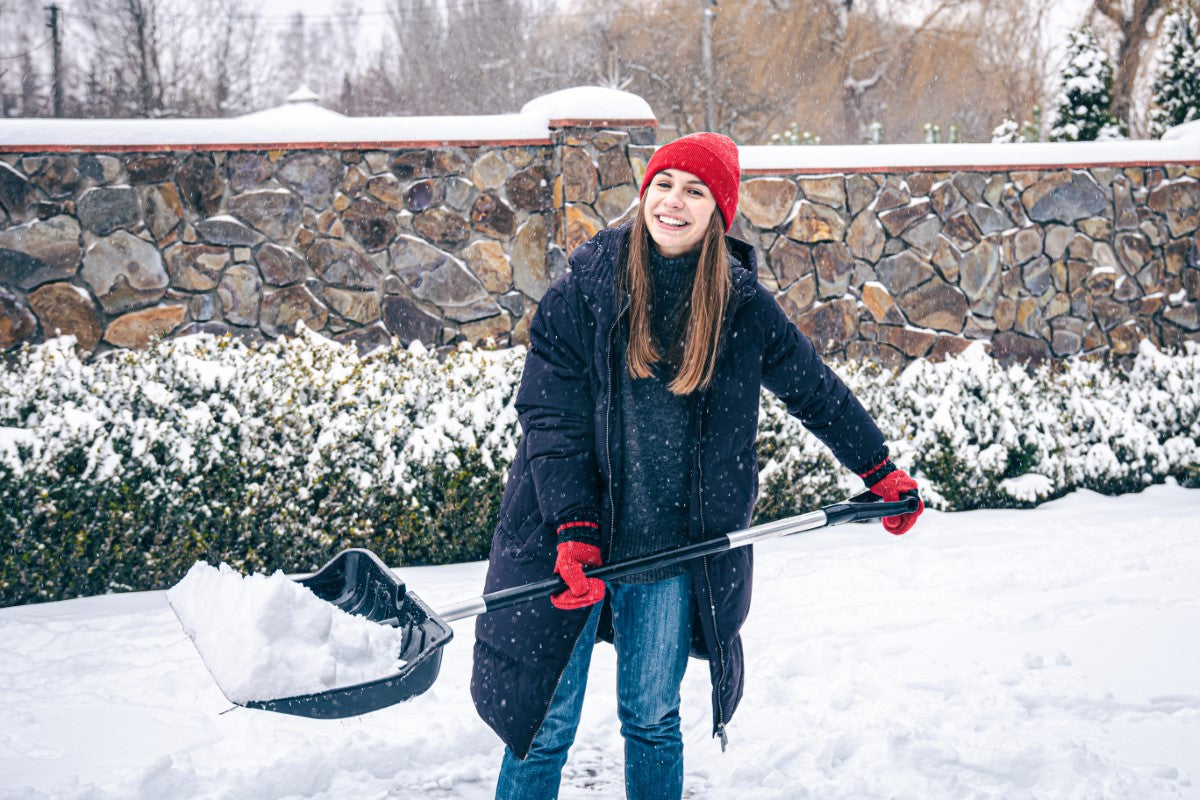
[[857, 509], [357, 582]]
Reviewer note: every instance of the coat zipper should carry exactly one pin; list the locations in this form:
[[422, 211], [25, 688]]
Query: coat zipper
[[558, 684], [712, 605], [612, 500]]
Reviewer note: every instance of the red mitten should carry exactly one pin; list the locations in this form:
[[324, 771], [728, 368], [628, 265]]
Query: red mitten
[[891, 484], [581, 590]]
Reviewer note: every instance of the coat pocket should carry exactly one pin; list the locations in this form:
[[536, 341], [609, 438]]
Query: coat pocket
[[525, 541]]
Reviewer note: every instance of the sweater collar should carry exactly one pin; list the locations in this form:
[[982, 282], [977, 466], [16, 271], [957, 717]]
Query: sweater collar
[[672, 275]]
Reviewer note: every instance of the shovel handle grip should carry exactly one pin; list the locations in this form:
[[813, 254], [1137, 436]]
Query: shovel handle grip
[[867, 506], [861, 508]]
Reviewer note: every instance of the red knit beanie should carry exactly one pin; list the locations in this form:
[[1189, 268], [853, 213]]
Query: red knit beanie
[[712, 158]]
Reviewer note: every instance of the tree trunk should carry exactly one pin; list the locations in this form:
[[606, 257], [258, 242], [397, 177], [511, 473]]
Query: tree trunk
[[1135, 31]]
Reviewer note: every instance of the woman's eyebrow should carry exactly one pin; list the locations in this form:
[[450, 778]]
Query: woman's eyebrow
[[693, 182]]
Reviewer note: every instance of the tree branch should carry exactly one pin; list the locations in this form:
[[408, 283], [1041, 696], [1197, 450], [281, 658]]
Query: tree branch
[[858, 87]]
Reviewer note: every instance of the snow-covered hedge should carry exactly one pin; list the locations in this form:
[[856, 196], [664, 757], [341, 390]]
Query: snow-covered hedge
[[120, 473]]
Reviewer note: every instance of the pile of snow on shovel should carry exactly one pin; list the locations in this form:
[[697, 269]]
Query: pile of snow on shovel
[[264, 637]]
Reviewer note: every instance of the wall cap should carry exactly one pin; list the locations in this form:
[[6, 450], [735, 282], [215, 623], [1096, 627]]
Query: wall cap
[[308, 125], [829, 159], [594, 105]]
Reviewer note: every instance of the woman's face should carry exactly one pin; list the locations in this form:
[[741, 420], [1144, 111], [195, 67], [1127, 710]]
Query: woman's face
[[677, 207]]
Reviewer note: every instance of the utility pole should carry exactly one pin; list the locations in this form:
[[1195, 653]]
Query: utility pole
[[57, 50], [706, 55]]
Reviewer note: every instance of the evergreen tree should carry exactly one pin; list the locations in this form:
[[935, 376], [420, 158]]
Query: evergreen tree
[[1177, 76], [1083, 107]]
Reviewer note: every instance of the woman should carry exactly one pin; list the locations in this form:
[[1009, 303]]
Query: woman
[[639, 408]]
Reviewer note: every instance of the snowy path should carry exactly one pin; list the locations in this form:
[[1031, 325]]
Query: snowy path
[[1052, 653]]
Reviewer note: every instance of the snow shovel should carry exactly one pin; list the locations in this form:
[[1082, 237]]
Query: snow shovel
[[358, 582]]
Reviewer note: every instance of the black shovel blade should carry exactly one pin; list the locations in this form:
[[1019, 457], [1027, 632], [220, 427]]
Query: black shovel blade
[[357, 582]]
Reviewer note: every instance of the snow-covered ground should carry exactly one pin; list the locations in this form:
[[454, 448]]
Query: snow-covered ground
[[1050, 653]]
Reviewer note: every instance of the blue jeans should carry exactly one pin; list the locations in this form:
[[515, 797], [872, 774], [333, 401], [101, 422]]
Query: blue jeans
[[652, 634]]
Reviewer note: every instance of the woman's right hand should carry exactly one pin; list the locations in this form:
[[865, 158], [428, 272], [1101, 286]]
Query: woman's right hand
[[581, 590]]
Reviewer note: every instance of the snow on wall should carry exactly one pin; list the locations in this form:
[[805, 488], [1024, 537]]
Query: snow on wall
[[296, 123], [283, 129], [843, 158]]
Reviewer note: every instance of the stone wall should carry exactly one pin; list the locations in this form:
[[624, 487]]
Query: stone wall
[[1046, 263], [450, 243], [428, 244]]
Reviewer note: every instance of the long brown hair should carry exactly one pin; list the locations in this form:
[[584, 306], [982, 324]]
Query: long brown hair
[[701, 333]]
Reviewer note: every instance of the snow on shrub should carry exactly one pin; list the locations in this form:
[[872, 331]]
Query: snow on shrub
[[977, 434], [122, 472]]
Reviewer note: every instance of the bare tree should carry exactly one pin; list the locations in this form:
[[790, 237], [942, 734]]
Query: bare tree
[[961, 62], [833, 67], [1012, 56], [340, 55], [292, 57], [1135, 27], [408, 66], [655, 51], [128, 42], [228, 59], [876, 51], [464, 57], [24, 88]]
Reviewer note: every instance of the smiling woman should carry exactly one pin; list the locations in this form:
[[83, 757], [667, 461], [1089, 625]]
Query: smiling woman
[[679, 221], [639, 405], [685, 183]]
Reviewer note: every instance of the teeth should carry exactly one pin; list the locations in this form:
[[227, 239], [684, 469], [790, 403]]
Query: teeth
[[678, 223]]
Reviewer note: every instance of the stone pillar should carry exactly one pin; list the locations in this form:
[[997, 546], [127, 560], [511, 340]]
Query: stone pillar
[[602, 139]]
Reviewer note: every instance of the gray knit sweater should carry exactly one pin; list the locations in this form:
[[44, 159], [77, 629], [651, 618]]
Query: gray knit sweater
[[653, 510]]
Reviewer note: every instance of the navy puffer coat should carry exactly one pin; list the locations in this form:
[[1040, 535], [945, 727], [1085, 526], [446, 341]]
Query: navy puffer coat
[[564, 471]]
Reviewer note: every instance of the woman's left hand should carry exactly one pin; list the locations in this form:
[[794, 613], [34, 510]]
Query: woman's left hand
[[895, 484]]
